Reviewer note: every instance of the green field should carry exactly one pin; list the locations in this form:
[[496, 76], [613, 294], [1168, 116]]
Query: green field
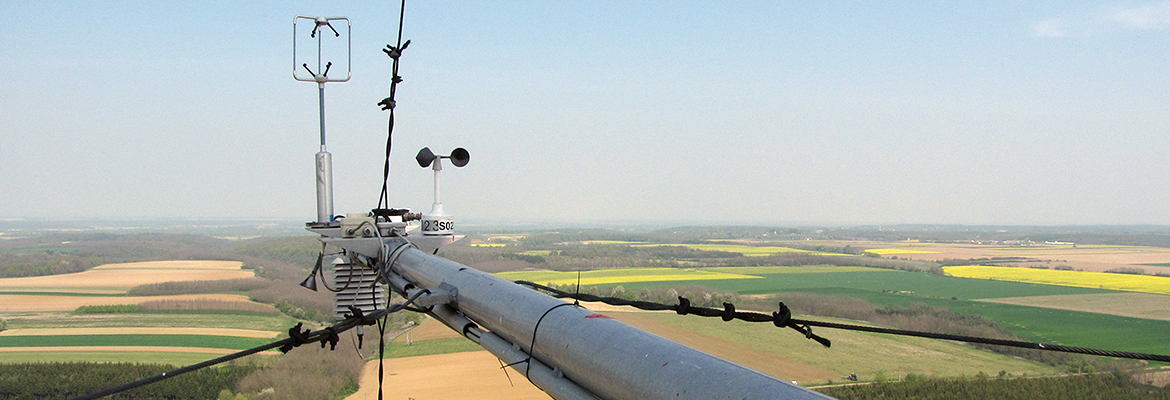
[[858, 352], [278, 323], [144, 357], [215, 342], [621, 276], [1071, 328], [430, 347], [877, 280]]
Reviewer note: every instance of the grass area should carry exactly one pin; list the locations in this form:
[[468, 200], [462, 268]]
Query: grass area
[[857, 352], [215, 342], [107, 309], [1101, 280], [145, 357], [277, 323], [430, 347], [618, 276]]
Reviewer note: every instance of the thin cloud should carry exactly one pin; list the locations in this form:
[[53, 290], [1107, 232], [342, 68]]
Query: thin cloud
[[1153, 16], [1053, 28], [1101, 21]]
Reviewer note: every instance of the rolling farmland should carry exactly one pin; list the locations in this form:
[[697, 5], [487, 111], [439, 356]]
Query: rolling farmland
[[39, 311]]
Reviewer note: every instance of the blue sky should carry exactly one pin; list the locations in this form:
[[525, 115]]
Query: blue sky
[[777, 113]]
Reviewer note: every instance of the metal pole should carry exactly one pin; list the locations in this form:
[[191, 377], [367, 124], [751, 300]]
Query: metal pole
[[321, 98], [605, 357]]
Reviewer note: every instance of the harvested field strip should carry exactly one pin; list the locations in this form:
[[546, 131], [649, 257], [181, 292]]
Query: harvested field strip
[[1101, 280], [617, 276], [1136, 305], [141, 331], [200, 341], [19, 303], [885, 252], [164, 355]]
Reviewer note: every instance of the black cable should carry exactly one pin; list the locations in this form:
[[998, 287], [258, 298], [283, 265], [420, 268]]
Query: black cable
[[381, 353], [389, 104], [783, 318], [296, 338], [532, 346]]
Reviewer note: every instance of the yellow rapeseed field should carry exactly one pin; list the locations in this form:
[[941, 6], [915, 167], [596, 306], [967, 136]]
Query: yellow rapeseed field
[[1099, 280]]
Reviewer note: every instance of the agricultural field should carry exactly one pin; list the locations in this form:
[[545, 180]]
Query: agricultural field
[[749, 251], [1136, 305], [618, 276], [1098, 258], [44, 323], [1100, 280], [887, 288]]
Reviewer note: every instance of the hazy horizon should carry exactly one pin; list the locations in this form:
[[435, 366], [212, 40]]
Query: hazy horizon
[[606, 113]]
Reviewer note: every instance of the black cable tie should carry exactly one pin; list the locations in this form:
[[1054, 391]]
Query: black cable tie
[[297, 335], [335, 33], [387, 104], [327, 66], [355, 312], [405, 45], [780, 318], [330, 338], [306, 65], [728, 312], [684, 306]]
